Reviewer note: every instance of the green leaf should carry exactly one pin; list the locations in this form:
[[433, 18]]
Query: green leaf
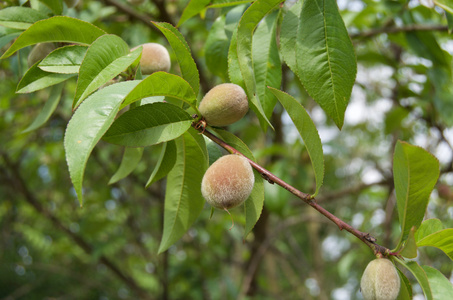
[[410, 247], [447, 5], [394, 119], [441, 287], [162, 84], [199, 6], [231, 23], [253, 206], [131, 158], [308, 132], [7, 35], [449, 21], [405, 289], [165, 163], [186, 63], [442, 239], [216, 49], [65, 60], [415, 173], [266, 62], [48, 109], [419, 274], [19, 17], [227, 3], [193, 8], [291, 25], [425, 44], [36, 79], [325, 57], [149, 124], [249, 21], [428, 227], [88, 124], [183, 199], [56, 29], [107, 57], [55, 6], [234, 72], [232, 19], [440, 77], [214, 150]]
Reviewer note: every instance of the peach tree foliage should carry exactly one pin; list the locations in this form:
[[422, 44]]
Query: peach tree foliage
[[309, 37]]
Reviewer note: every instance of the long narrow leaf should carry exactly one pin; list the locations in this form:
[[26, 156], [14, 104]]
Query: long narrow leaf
[[266, 62], [186, 63], [65, 60], [216, 49], [415, 172], [130, 160], [162, 84], [249, 21], [36, 79], [149, 124], [48, 109], [193, 8], [56, 29], [428, 227], [88, 124], [107, 57], [325, 57], [164, 164], [307, 131], [420, 275], [406, 287], [19, 17], [291, 25], [441, 239], [441, 287], [183, 199], [447, 5]]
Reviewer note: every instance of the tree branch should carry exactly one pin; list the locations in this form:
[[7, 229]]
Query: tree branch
[[128, 10], [19, 184], [308, 199], [394, 30]]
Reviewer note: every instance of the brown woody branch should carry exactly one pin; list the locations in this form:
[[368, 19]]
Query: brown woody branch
[[366, 238]]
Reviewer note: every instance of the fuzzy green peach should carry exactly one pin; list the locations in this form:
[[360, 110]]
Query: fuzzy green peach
[[228, 182], [224, 104], [380, 280], [155, 58]]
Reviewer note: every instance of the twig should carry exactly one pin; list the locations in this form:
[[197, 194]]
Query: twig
[[266, 243], [366, 238], [128, 10], [348, 191], [19, 184]]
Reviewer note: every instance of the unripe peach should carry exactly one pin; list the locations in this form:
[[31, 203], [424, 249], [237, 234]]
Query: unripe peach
[[224, 104], [380, 280], [155, 58], [228, 182], [39, 52]]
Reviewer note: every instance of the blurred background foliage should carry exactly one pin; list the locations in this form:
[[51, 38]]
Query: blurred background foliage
[[52, 249]]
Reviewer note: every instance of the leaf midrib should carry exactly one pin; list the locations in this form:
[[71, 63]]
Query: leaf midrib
[[337, 111]]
